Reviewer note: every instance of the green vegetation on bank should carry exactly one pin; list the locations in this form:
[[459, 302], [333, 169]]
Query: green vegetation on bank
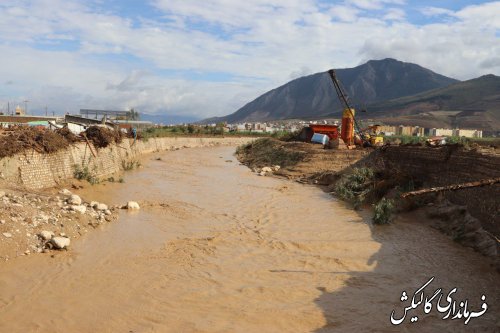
[[466, 142], [202, 130], [383, 211], [381, 188], [83, 173], [355, 186]]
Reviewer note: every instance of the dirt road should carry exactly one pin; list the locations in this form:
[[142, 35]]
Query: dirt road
[[216, 248]]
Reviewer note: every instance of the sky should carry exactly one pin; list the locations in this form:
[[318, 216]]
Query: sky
[[211, 57]]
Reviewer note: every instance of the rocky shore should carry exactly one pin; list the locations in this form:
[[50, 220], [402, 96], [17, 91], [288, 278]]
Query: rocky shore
[[42, 222]]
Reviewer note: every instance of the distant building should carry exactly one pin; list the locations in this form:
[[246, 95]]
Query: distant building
[[20, 111], [404, 130], [419, 131], [468, 133], [440, 132]]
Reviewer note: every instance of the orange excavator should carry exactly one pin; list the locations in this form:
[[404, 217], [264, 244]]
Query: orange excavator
[[351, 133]]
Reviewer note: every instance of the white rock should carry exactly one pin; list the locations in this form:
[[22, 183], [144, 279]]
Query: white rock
[[46, 235], [101, 206], [276, 167], [79, 208], [7, 234], [65, 192], [75, 200], [60, 242], [2, 221], [107, 212], [93, 204], [266, 169], [132, 205], [2, 194], [262, 173]]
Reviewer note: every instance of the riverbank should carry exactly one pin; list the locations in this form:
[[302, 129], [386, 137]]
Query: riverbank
[[32, 199], [365, 176]]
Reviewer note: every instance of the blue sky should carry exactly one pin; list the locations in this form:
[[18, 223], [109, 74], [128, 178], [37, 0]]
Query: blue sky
[[205, 58]]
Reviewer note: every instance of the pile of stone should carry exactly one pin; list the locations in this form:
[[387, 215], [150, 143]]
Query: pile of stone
[[50, 241], [72, 203], [34, 223]]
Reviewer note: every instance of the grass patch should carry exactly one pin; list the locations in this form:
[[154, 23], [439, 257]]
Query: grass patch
[[130, 165], [114, 180], [266, 152]]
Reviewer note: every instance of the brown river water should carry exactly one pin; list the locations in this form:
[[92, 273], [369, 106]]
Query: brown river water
[[216, 248]]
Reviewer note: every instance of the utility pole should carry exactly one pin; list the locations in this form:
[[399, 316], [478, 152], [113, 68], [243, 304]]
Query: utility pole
[[46, 111], [8, 108]]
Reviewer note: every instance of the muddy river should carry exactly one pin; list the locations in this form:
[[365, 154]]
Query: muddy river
[[216, 248]]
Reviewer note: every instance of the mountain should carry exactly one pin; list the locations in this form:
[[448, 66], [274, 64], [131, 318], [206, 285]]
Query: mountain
[[469, 104], [167, 119], [314, 96]]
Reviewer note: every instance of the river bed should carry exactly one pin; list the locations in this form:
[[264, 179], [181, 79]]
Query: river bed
[[216, 248]]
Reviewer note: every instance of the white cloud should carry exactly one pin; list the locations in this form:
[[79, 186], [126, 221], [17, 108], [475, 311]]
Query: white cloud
[[435, 11], [395, 14], [100, 59]]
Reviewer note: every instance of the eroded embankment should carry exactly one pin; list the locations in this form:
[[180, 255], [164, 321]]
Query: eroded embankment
[[469, 216]]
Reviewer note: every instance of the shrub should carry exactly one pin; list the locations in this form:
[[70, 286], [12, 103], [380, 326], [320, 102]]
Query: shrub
[[356, 185], [130, 165], [383, 211], [85, 174]]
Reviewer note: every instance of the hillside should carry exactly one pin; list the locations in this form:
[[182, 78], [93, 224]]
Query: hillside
[[313, 96], [470, 104]]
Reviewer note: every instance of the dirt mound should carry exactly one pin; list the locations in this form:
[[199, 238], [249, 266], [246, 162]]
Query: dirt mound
[[102, 137], [267, 151], [25, 138]]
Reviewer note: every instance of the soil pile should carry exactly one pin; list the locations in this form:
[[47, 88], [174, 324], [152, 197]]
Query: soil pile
[[269, 151]]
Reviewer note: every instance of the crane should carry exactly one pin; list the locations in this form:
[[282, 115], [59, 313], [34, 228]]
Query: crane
[[349, 122]]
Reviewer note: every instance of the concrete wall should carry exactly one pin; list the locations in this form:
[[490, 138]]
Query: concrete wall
[[35, 171]]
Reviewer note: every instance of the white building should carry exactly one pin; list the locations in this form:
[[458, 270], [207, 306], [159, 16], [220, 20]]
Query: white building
[[440, 132], [468, 133]]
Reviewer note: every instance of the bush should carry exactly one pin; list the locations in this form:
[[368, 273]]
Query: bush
[[85, 174], [356, 185], [383, 211]]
